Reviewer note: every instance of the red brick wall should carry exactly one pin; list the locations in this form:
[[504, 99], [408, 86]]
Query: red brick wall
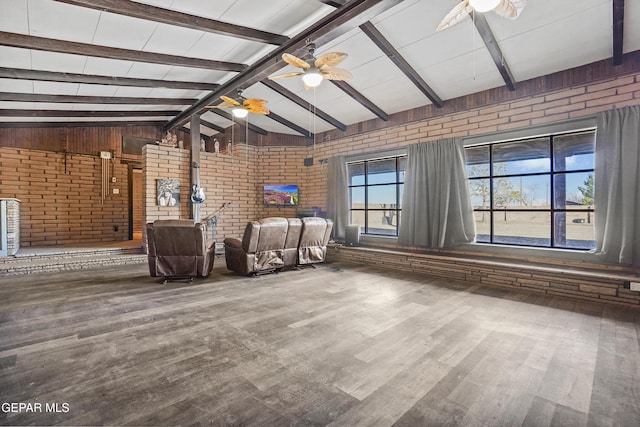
[[63, 205]]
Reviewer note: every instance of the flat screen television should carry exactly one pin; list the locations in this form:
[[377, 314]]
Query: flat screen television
[[281, 195]]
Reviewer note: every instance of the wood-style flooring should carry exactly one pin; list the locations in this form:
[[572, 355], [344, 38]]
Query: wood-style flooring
[[338, 345]]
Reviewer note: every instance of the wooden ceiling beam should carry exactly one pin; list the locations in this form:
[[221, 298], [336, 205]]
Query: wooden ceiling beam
[[302, 131], [361, 99], [83, 113], [281, 90], [618, 30], [494, 50], [387, 48], [210, 125], [171, 17], [62, 124], [51, 76], [75, 48], [75, 99], [334, 3], [230, 117], [351, 15]]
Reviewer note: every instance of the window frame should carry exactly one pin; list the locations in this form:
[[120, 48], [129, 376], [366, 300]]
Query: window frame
[[366, 160], [549, 132]]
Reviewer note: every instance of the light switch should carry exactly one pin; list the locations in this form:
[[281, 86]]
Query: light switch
[[116, 191]]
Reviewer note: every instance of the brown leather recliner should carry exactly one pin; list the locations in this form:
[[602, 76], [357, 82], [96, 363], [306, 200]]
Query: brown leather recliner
[[178, 249], [261, 248], [314, 237]]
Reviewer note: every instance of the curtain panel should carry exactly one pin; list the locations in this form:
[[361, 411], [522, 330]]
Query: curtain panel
[[616, 180], [338, 195], [436, 204]]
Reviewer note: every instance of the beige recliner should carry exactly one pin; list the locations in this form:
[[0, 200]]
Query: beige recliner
[[178, 249], [261, 249], [314, 237]]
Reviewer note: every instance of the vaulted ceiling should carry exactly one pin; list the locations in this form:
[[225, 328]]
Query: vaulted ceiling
[[161, 61]]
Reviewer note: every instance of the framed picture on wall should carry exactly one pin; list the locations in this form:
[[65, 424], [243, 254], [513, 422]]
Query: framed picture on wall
[[168, 192]]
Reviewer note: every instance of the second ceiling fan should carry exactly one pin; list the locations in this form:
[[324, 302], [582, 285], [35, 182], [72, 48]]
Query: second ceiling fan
[[510, 9], [315, 70]]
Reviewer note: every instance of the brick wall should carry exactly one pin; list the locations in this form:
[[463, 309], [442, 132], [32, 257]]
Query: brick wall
[[61, 197]]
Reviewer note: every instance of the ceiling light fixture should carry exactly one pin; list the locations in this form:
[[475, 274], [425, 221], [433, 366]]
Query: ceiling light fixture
[[483, 6], [240, 113], [312, 77]]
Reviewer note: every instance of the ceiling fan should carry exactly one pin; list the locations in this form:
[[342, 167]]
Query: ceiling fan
[[510, 9], [315, 70], [241, 106]]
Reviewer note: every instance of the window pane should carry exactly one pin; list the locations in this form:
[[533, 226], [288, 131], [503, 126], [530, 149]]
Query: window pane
[[356, 173], [573, 190], [357, 218], [480, 193], [402, 167], [477, 161], [381, 171], [483, 226], [383, 222], [529, 156], [522, 192], [356, 197], [573, 151], [522, 228], [382, 196], [574, 230], [401, 189]]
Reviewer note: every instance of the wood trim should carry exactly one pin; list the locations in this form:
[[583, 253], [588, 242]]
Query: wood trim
[[392, 53], [334, 3], [85, 49], [6, 112], [494, 49], [361, 99], [281, 90], [50, 76], [76, 99], [171, 17]]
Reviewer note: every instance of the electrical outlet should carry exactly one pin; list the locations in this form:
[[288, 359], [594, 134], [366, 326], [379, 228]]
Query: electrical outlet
[[116, 191], [634, 286], [113, 179]]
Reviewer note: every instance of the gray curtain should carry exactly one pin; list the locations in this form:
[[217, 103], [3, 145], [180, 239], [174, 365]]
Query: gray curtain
[[338, 195], [436, 205], [616, 182]]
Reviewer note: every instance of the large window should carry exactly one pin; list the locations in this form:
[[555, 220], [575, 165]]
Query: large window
[[534, 192], [375, 194]]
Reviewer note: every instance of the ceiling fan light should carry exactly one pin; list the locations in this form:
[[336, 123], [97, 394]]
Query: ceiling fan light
[[312, 78], [240, 113], [483, 6]]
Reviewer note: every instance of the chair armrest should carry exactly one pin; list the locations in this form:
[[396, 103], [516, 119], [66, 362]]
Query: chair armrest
[[232, 242]]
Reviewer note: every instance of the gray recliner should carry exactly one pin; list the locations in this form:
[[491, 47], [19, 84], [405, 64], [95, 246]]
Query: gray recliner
[[314, 237], [261, 249], [178, 249]]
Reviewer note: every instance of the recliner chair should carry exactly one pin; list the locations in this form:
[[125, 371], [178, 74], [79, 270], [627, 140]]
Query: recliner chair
[[261, 249], [178, 249], [314, 237]]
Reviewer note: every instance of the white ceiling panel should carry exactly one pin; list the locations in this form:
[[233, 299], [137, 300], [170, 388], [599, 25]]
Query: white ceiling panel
[[61, 21], [60, 62], [122, 31], [16, 86], [97, 90], [173, 40], [55, 88], [14, 17], [107, 67], [631, 26], [14, 57]]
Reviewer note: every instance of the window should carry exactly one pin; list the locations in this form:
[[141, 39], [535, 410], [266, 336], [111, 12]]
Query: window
[[375, 194], [534, 192]]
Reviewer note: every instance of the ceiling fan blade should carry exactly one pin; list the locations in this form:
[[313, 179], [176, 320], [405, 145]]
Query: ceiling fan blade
[[457, 14], [221, 106], [295, 61], [510, 9], [253, 103], [257, 109], [330, 59], [336, 74], [230, 100], [284, 76]]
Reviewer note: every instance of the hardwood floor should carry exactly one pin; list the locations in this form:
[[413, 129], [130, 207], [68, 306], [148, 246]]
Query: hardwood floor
[[339, 345]]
